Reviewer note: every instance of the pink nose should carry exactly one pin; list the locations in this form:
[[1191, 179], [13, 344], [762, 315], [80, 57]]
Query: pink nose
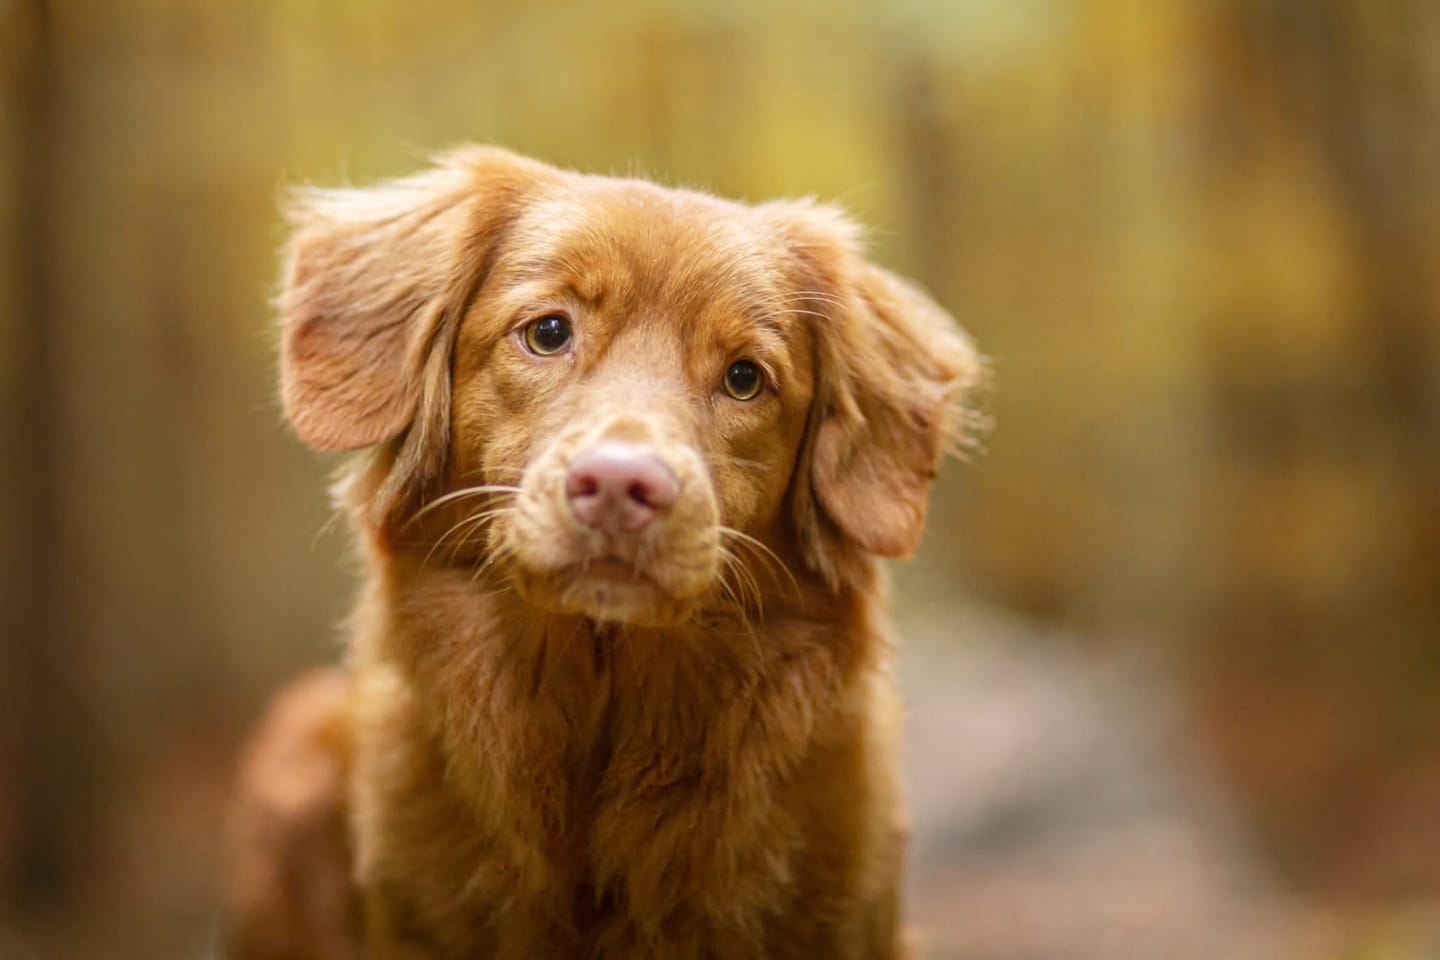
[[619, 487]]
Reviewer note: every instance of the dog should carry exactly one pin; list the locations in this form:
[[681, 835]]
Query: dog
[[619, 681]]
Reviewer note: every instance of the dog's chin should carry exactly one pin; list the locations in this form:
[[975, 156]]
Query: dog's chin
[[606, 592]]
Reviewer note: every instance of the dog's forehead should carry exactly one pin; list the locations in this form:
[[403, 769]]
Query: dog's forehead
[[633, 239]]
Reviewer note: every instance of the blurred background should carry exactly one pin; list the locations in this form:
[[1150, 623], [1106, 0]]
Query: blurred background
[[1172, 643]]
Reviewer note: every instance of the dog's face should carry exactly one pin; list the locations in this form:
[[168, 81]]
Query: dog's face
[[632, 365], [609, 394]]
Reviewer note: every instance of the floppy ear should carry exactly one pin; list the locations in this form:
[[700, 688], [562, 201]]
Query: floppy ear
[[897, 364], [376, 281], [373, 278], [891, 369]]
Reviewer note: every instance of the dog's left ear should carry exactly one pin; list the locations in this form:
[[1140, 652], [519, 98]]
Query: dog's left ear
[[891, 369]]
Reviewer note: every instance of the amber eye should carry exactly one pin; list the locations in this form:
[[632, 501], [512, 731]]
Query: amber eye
[[548, 335], [742, 380]]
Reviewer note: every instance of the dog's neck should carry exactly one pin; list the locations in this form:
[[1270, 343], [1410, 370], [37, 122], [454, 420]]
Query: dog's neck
[[438, 616], [480, 659]]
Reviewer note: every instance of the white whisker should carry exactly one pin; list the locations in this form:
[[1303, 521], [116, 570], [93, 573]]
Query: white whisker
[[768, 557], [463, 493]]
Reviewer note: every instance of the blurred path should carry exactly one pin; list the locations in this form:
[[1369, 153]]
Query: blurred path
[[1058, 812]]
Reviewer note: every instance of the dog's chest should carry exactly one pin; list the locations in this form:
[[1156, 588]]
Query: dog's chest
[[635, 807], [618, 792]]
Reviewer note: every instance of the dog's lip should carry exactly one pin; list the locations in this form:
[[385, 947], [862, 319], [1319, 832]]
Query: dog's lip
[[613, 570]]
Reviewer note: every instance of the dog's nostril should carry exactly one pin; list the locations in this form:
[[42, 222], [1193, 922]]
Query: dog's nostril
[[619, 486]]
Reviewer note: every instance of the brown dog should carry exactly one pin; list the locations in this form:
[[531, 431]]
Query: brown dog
[[619, 682]]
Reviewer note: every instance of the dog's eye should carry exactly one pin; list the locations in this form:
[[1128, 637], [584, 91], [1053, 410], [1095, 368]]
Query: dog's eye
[[742, 380], [548, 335]]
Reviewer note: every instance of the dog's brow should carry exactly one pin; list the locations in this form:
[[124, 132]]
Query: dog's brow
[[542, 279], [532, 268]]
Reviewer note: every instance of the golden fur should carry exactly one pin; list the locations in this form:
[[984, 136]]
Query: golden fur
[[544, 757]]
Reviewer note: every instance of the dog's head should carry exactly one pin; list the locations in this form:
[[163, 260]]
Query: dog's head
[[608, 394]]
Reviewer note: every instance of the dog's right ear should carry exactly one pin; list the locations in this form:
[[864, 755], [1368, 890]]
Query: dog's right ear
[[375, 278]]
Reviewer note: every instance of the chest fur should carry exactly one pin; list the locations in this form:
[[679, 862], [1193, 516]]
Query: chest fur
[[621, 791]]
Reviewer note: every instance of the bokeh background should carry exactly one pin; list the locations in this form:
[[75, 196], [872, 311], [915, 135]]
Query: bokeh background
[[1173, 641]]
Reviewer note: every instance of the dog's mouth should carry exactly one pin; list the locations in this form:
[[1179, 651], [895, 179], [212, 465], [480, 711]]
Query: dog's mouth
[[610, 569], [606, 589], [650, 587]]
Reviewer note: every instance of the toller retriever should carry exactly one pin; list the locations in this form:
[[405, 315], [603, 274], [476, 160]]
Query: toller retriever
[[619, 680]]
